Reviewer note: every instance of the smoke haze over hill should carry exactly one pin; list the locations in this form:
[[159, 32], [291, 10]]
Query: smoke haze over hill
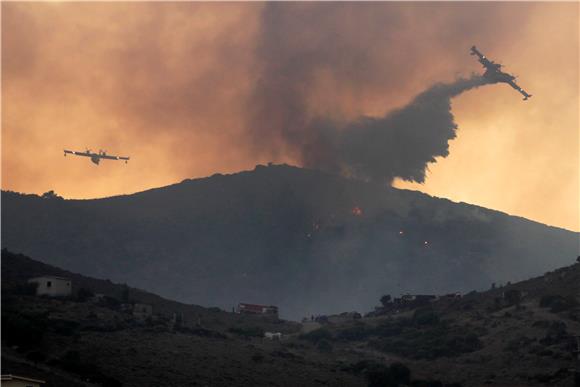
[[304, 240], [192, 88]]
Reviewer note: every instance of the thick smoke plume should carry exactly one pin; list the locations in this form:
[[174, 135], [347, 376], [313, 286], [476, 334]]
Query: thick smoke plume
[[400, 144], [310, 76]]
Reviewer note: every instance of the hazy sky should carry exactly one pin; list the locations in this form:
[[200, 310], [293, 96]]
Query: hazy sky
[[191, 89]]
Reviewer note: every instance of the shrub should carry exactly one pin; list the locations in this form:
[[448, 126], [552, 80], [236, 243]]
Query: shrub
[[258, 358], [110, 302], [71, 361], [426, 383], [324, 346], [513, 297], [203, 332], [248, 331], [360, 366], [64, 327], [391, 328], [317, 335], [356, 333], [24, 331], [386, 300], [429, 343], [558, 303], [379, 375], [21, 288], [84, 295], [400, 374], [425, 316]]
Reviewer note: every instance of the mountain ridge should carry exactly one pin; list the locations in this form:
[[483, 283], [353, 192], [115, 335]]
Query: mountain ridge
[[281, 234], [322, 173]]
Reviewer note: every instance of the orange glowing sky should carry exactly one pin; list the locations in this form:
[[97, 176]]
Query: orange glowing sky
[[169, 84]]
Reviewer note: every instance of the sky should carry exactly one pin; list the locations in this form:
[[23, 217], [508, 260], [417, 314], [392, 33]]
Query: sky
[[192, 89]]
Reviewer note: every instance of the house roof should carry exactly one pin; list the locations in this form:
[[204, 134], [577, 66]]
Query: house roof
[[25, 379], [53, 277]]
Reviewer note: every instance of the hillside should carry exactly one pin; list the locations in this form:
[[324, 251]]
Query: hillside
[[301, 239], [78, 341], [516, 335]]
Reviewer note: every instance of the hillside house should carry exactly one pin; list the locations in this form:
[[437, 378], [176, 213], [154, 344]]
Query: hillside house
[[52, 286], [257, 309], [19, 381]]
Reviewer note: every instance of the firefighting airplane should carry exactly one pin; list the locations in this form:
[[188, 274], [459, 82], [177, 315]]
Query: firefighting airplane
[[493, 72], [96, 157]]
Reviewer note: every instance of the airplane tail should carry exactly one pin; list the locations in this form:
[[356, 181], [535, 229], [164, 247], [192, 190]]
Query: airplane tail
[[527, 96]]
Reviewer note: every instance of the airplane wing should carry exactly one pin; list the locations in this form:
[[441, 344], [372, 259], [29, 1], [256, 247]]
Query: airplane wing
[[77, 153], [490, 65], [110, 157], [475, 51], [519, 89]]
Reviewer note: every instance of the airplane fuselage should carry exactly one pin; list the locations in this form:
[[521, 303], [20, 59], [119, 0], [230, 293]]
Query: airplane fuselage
[[498, 76], [96, 157]]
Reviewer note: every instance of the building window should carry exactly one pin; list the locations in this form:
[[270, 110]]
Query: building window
[[48, 284]]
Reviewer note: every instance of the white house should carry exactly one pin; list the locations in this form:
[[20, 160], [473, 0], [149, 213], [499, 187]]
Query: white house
[[52, 286], [273, 335], [19, 381]]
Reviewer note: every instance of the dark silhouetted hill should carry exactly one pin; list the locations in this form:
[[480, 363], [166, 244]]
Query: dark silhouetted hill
[[521, 334], [304, 240]]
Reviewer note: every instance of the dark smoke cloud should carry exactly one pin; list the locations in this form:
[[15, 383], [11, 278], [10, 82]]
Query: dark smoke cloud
[[400, 144], [306, 48]]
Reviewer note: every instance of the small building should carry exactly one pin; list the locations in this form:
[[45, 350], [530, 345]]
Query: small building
[[257, 309], [19, 381], [273, 335], [52, 286]]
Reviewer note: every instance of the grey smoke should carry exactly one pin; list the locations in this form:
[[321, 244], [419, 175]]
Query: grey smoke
[[297, 43], [400, 144]]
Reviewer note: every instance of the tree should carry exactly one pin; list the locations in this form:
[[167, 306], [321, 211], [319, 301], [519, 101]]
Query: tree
[[513, 297], [50, 195], [125, 294], [324, 346], [386, 300], [400, 373], [84, 294]]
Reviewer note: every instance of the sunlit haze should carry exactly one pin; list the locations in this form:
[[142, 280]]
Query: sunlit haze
[[173, 86]]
